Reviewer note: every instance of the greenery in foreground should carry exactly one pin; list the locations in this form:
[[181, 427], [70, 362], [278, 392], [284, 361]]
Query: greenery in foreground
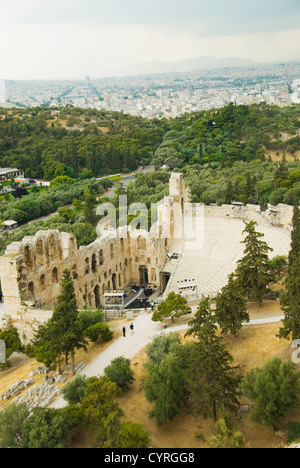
[[94, 414]]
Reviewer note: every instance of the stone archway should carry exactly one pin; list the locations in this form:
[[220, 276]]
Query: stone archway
[[114, 281], [144, 275], [97, 297]]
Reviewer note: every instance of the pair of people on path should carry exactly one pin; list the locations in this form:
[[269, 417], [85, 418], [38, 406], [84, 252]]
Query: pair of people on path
[[131, 328]]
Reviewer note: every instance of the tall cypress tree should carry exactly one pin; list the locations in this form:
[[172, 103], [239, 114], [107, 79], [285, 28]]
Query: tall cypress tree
[[89, 207], [290, 302], [231, 307], [253, 269], [65, 323], [212, 377]]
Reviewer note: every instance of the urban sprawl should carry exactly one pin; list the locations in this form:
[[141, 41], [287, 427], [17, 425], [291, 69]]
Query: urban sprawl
[[162, 95]]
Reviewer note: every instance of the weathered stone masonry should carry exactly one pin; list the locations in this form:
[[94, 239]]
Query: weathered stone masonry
[[31, 270]]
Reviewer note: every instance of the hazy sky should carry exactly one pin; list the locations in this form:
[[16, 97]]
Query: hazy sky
[[57, 39]]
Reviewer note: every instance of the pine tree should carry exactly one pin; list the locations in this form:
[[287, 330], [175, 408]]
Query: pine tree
[[213, 379], [89, 207], [281, 174], [253, 269], [64, 322], [290, 302], [231, 307], [274, 389], [226, 435], [173, 307]]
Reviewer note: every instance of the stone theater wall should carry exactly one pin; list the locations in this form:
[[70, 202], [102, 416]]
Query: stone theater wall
[[31, 270]]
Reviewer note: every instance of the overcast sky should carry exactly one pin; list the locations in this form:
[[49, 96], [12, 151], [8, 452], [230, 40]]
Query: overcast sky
[[58, 39]]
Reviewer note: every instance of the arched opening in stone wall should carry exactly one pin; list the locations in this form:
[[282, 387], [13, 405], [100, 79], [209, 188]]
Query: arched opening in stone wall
[[164, 279], [144, 277], [101, 257], [27, 257], [31, 289], [74, 272], [39, 248], [153, 275], [97, 297], [114, 281], [42, 282], [94, 263], [54, 275], [87, 266], [52, 246], [112, 251]]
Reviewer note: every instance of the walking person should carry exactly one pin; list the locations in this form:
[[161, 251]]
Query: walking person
[[152, 306], [124, 332], [132, 329]]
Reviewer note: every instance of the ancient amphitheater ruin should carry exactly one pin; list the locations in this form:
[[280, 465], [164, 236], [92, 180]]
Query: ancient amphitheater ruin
[[31, 270]]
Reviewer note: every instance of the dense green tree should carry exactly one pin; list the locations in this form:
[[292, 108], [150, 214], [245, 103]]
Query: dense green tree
[[173, 307], [274, 390], [131, 435], [99, 330], [166, 382], [252, 271], [61, 180], [65, 320], [88, 317], [204, 321], [89, 207], [12, 420], [160, 346], [290, 301], [12, 341], [62, 334], [74, 391], [100, 411], [231, 307], [46, 428], [226, 436], [120, 372], [213, 379]]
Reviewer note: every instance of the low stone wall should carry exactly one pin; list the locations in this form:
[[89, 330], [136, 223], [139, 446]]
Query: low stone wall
[[280, 216]]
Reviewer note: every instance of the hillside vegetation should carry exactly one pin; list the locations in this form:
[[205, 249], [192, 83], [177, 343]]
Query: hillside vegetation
[[41, 140]]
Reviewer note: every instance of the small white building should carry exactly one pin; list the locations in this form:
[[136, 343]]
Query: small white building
[[10, 224], [8, 173]]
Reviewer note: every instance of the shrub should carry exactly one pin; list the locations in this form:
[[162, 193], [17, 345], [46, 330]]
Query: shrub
[[99, 330], [120, 372], [74, 391]]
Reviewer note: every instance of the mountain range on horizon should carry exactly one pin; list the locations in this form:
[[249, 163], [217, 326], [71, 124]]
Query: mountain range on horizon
[[187, 65], [155, 67]]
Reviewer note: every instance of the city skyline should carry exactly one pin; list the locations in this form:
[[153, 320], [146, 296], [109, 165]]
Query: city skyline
[[68, 40]]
